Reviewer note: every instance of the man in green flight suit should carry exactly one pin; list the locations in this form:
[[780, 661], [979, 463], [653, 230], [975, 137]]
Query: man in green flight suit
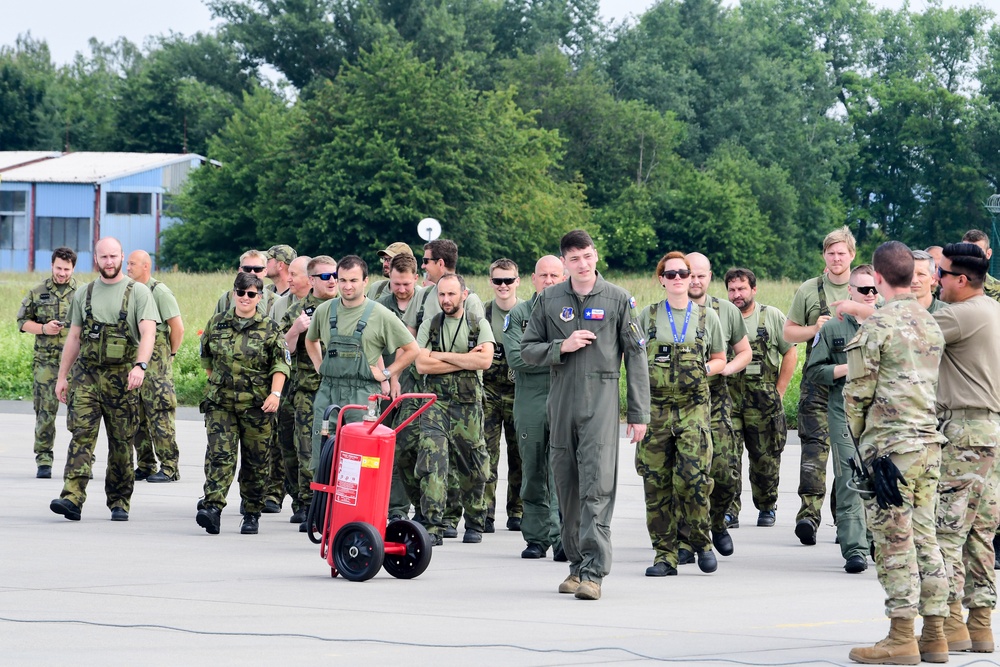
[[44, 313], [112, 331], [540, 520], [827, 366], [582, 329], [809, 311]]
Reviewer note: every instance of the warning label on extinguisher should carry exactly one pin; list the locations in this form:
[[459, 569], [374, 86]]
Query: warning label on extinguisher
[[348, 477]]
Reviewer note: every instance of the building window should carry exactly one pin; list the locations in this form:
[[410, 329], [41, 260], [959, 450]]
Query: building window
[[13, 201], [170, 207], [70, 232], [129, 203]]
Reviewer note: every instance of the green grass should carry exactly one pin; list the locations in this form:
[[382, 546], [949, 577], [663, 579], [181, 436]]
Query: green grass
[[197, 295]]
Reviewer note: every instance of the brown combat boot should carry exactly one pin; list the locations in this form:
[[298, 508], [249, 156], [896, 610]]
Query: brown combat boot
[[932, 642], [899, 648], [955, 630], [980, 632]]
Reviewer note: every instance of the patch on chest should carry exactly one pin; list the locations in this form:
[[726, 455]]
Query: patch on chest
[[593, 314], [567, 314]]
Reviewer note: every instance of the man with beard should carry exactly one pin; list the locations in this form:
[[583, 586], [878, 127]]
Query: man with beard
[[112, 332], [757, 392], [279, 257], [809, 311], [379, 288], [45, 314]]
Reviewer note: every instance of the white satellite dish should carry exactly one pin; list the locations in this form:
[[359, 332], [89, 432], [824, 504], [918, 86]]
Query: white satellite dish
[[428, 229]]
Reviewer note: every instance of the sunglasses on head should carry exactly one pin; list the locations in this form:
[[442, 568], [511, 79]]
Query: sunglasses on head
[[671, 274], [253, 269], [866, 289], [324, 276], [248, 293], [503, 281], [428, 260]]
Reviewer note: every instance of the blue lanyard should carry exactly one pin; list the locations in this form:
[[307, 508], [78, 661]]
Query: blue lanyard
[[673, 327]]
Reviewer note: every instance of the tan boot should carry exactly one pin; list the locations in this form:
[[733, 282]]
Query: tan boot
[[980, 632], [899, 648], [570, 584], [588, 590], [932, 643], [955, 630]]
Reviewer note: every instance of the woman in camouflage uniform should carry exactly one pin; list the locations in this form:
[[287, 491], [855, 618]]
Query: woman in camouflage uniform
[[240, 349]]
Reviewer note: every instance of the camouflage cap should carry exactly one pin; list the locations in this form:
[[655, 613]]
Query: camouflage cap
[[282, 253], [394, 249]]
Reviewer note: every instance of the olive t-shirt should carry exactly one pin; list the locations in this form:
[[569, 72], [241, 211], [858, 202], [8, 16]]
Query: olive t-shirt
[[733, 327], [455, 334], [804, 310], [106, 304], [473, 304], [969, 375], [383, 330], [166, 305], [774, 322], [664, 334]]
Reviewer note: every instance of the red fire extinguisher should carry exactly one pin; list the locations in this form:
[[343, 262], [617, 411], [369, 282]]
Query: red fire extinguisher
[[356, 541]]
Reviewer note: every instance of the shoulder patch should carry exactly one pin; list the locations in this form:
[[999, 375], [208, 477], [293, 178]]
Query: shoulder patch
[[506, 321], [631, 302]]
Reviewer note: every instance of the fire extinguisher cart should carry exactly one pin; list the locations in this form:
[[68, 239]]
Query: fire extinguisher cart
[[356, 541]]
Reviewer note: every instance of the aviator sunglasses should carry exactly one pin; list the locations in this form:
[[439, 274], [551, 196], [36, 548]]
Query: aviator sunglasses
[[671, 274], [248, 293]]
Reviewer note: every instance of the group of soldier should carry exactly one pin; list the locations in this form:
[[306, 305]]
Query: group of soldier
[[898, 386]]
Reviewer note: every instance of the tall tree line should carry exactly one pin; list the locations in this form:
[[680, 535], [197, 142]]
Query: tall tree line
[[747, 132]]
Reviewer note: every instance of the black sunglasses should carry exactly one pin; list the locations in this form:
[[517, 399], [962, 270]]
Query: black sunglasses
[[503, 281], [249, 293], [866, 289], [670, 275], [428, 260], [253, 269], [324, 276], [942, 272]]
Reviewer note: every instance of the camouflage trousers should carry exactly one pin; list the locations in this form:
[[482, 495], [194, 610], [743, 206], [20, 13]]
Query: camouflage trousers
[[726, 457], [815, 439], [907, 558], [498, 414], [156, 437], [279, 481], [46, 408], [967, 511], [405, 489], [674, 460], [97, 393], [759, 421], [298, 455], [232, 432], [451, 453], [540, 505]]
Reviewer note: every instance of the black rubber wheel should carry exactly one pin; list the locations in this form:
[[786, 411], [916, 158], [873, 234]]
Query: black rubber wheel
[[358, 551], [418, 549]]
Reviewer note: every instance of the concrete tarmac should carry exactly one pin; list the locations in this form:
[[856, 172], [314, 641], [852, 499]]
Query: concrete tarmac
[[158, 590]]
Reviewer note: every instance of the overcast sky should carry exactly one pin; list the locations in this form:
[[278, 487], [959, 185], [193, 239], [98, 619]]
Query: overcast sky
[[67, 24]]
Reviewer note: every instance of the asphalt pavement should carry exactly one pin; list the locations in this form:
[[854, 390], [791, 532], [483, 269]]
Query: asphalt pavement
[[158, 590]]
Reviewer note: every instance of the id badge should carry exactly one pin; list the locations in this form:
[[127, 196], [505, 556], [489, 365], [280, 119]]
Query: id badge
[[753, 369]]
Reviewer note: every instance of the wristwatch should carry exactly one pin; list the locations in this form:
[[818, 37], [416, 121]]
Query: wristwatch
[[140, 364], [387, 373]]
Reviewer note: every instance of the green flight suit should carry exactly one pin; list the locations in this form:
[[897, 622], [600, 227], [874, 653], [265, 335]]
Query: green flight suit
[[583, 408], [540, 504], [45, 302], [828, 352]]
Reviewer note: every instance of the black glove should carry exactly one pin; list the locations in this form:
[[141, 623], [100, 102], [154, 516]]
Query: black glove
[[886, 478]]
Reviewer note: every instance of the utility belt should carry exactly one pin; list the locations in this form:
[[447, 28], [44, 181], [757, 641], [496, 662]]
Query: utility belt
[[968, 414]]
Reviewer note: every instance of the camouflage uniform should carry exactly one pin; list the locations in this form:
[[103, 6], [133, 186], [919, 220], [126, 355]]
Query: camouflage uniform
[[675, 457], [809, 303], [828, 352], [991, 287], [98, 388], [44, 303], [498, 413], [758, 413], [282, 476], [243, 354], [296, 442], [968, 411], [540, 515], [889, 402], [156, 436], [451, 463], [584, 442]]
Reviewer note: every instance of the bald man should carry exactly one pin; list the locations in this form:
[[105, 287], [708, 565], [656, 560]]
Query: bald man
[[108, 349], [156, 438]]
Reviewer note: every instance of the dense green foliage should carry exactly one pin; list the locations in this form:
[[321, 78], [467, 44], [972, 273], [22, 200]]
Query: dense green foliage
[[744, 131]]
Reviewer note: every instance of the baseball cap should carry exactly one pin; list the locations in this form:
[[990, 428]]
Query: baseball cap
[[282, 253], [394, 249]]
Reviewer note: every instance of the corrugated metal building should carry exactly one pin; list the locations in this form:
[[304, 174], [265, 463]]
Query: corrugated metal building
[[52, 199]]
